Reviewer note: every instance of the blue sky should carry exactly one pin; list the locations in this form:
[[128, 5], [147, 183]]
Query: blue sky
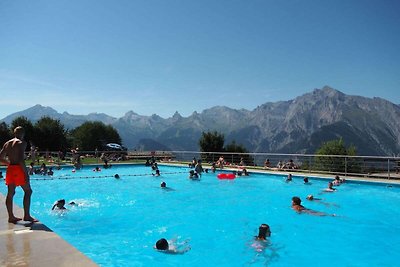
[[158, 57]]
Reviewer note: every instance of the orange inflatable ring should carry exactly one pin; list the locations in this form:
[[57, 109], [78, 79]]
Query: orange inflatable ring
[[229, 176]]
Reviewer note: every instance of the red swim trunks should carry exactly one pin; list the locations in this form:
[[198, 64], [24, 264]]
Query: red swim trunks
[[15, 175]]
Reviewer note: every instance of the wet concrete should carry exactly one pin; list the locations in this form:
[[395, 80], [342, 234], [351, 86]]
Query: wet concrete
[[34, 244]]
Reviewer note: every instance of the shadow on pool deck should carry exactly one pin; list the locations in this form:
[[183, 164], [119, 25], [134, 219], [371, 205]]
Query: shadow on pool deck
[[27, 244]]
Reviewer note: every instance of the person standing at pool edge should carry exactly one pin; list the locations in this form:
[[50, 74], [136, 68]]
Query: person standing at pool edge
[[17, 174]]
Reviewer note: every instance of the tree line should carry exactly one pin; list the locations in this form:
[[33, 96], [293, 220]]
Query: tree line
[[50, 134], [324, 160]]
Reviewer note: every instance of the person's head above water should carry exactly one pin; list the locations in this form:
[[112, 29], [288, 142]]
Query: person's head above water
[[310, 197], [163, 184], [116, 176], [296, 201], [59, 204], [162, 244], [264, 231]]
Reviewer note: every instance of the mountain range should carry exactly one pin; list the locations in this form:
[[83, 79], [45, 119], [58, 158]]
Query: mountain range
[[299, 125]]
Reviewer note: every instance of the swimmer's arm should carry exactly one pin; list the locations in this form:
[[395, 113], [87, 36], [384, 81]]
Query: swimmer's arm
[[180, 251]]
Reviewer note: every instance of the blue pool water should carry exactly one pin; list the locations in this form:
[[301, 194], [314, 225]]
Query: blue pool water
[[118, 222]]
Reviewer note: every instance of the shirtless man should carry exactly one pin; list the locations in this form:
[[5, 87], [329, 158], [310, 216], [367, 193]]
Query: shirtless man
[[17, 174]]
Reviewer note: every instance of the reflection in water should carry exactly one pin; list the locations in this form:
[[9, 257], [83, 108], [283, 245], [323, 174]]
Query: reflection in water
[[265, 252]]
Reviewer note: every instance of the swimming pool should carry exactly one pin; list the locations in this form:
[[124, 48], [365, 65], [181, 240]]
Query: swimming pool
[[118, 222]]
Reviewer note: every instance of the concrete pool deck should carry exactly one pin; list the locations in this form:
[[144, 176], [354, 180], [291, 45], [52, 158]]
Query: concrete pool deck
[[26, 244]]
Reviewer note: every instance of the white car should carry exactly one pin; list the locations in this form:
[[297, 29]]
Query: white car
[[114, 146]]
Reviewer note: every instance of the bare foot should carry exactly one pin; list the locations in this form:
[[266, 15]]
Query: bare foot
[[14, 220], [30, 219]]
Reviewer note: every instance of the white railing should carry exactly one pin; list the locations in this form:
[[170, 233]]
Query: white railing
[[366, 166]]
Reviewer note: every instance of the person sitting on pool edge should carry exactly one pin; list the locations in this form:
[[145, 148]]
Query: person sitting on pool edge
[[164, 246]]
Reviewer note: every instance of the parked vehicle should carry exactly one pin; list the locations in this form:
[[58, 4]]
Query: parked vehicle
[[114, 147]]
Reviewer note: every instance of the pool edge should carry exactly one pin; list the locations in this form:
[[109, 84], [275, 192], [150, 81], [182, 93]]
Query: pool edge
[[27, 244]]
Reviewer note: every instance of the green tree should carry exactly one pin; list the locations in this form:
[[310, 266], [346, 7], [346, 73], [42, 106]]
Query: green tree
[[50, 134], [336, 164], [211, 142], [5, 133], [238, 148], [94, 134], [28, 127]]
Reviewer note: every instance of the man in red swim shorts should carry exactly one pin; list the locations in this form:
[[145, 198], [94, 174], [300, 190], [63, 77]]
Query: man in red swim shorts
[[16, 174]]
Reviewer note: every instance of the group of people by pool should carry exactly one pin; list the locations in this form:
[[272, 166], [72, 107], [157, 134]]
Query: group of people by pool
[[42, 170], [17, 175]]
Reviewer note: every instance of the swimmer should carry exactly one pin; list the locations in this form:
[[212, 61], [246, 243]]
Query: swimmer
[[263, 232], [157, 173], [164, 186], [241, 172], [296, 205], [72, 203], [311, 198], [1, 175], [330, 188], [337, 181], [289, 178], [198, 167], [193, 175], [97, 169], [213, 167], [319, 200], [154, 166], [171, 247], [260, 242], [59, 205], [116, 176], [306, 181]]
